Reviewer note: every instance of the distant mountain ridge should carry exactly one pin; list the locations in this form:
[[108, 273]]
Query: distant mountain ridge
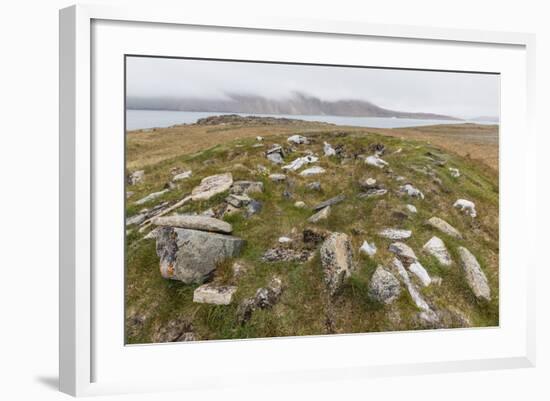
[[297, 104]]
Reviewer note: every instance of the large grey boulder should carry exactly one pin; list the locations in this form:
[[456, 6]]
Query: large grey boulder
[[211, 186], [475, 277], [384, 287], [192, 256], [337, 260], [444, 227], [214, 294], [202, 223], [436, 247]]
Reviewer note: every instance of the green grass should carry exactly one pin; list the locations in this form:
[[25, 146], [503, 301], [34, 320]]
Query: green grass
[[303, 308]]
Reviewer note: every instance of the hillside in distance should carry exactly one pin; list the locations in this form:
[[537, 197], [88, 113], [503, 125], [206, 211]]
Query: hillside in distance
[[297, 104]]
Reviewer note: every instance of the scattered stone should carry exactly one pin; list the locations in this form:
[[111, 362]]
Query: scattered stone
[[175, 331], [436, 247], [298, 163], [182, 176], [285, 240], [211, 186], [400, 178], [369, 183], [313, 236], [436, 280], [454, 172], [277, 177], [330, 202], [403, 252], [153, 234], [286, 254], [314, 186], [253, 207], [201, 223], [312, 171], [259, 138], [262, 169], [475, 277], [466, 206], [384, 287], [427, 313], [247, 187], [213, 294], [191, 256], [411, 208], [420, 272], [411, 191], [238, 269], [136, 177], [444, 227], [377, 148], [337, 260], [328, 149], [375, 161], [299, 204], [275, 154], [373, 192], [151, 197], [395, 233], [265, 297], [238, 201], [137, 219], [298, 139], [129, 194], [369, 249]]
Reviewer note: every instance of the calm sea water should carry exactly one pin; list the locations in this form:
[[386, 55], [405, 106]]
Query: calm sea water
[[143, 119]]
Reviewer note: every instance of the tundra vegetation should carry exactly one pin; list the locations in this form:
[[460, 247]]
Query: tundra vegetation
[[261, 227]]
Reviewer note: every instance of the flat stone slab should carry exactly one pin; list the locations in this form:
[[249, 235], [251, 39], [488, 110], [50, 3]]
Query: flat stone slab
[[151, 197], [213, 294], [191, 256], [211, 186], [308, 172], [411, 191], [403, 252], [182, 176], [330, 202], [395, 233], [247, 187], [320, 215], [202, 223], [436, 247], [444, 227], [475, 277]]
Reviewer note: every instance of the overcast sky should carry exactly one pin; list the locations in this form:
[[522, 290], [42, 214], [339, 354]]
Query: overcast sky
[[457, 94]]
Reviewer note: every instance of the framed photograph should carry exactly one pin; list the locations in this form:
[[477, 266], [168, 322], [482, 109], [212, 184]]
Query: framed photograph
[[278, 199]]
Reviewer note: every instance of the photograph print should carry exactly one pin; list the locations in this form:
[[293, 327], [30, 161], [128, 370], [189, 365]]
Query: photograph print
[[284, 199]]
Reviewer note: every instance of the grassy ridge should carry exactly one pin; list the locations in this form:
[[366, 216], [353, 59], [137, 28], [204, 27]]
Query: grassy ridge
[[152, 301]]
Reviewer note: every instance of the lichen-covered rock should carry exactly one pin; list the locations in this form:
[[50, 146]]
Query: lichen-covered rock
[[444, 227], [191, 256], [214, 294], [238, 201], [297, 139], [247, 187], [475, 277], [466, 206], [330, 202], [211, 186], [420, 272], [136, 177], [265, 297], [395, 233], [202, 223], [403, 252], [436, 247], [308, 172], [384, 287], [336, 260]]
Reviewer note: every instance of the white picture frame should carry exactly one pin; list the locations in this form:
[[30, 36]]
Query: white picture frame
[[78, 152]]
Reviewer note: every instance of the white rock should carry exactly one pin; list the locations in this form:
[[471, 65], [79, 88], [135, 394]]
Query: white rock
[[297, 139], [212, 294], [436, 247], [299, 204], [411, 208], [312, 171], [419, 271], [454, 172], [277, 177], [151, 197], [466, 206], [285, 240], [475, 277], [375, 161], [328, 149], [259, 138], [369, 249], [182, 176], [298, 163], [395, 233], [211, 186], [411, 191], [403, 252], [444, 227], [320, 215], [136, 177]]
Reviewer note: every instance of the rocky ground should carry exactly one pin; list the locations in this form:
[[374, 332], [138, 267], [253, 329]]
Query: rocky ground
[[308, 230]]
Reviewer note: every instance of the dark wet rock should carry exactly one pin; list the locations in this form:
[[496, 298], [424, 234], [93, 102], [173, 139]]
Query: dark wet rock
[[377, 148], [475, 277], [191, 256], [330, 202], [214, 294], [373, 192]]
